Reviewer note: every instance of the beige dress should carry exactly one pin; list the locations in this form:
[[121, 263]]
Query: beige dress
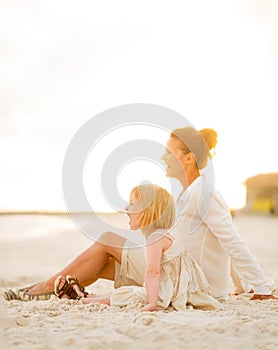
[[182, 282]]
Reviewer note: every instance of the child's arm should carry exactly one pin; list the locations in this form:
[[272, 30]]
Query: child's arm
[[152, 276]]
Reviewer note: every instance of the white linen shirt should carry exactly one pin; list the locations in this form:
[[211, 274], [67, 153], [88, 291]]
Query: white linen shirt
[[204, 227]]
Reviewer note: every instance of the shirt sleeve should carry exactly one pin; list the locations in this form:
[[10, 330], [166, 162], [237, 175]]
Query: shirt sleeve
[[218, 219]]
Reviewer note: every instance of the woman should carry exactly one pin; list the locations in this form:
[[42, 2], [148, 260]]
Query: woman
[[204, 226]]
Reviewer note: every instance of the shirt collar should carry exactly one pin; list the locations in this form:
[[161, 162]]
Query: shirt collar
[[184, 193]]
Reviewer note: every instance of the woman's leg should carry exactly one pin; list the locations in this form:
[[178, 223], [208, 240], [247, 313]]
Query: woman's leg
[[95, 262]]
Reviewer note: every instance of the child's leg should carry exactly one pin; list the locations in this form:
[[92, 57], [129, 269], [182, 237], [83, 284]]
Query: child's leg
[[95, 262]]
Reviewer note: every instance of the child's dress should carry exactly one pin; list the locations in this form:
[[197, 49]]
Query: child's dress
[[182, 282]]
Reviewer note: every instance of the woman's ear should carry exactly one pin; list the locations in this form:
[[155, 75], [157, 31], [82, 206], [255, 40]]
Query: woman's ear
[[190, 157]]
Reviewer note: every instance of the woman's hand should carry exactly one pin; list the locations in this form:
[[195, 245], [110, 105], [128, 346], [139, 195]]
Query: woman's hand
[[149, 307], [263, 297]]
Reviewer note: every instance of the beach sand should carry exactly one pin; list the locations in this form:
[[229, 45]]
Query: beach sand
[[33, 247]]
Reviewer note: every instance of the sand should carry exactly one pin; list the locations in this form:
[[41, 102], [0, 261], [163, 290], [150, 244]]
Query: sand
[[34, 247]]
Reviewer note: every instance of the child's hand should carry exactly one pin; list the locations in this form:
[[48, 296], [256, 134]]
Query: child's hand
[[149, 307]]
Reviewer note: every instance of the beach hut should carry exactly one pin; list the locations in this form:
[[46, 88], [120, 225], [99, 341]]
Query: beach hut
[[262, 193]]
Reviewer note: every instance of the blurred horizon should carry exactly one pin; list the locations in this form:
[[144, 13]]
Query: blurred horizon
[[66, 212]]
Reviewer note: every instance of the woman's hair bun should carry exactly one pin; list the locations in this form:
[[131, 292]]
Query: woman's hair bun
[[210, 136]]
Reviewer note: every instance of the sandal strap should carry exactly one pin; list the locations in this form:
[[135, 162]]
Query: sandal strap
[[74, 281], [22, 294], [9, 295], [69, 291]]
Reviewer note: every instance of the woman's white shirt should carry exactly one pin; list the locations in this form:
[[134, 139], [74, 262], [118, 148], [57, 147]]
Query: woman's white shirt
[[204, 227]]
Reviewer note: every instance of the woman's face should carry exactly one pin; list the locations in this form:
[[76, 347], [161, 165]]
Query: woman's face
[[135, 212], [173, 158]]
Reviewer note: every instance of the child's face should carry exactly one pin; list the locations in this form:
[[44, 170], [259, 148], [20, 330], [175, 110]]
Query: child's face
[[135, 212]]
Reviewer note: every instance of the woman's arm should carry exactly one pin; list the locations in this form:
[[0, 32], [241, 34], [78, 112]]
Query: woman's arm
[[220, 223], [152, 275]]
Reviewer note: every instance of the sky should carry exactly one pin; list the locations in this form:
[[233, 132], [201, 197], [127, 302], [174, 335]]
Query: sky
[[63, 62]]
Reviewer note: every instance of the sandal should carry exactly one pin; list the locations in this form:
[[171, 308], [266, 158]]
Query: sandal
[[68, 288], [22, 294], [74, 282]]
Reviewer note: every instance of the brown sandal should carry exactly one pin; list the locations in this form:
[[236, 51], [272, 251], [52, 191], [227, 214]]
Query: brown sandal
[[74, 282], [68, 288]]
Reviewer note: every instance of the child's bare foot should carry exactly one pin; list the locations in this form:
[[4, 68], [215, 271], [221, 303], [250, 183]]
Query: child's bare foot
[[87, 300], [149, 307], [94, 299]]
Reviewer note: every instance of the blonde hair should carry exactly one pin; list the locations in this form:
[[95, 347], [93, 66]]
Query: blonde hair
[[201, 143], [158, 206]]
